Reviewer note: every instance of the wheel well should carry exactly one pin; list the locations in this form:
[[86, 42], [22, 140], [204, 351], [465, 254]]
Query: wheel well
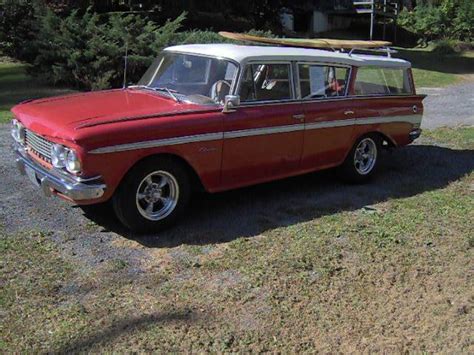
[[387, 142], [196, 182]]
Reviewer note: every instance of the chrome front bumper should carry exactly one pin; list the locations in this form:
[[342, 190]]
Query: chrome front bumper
[[51, 181]]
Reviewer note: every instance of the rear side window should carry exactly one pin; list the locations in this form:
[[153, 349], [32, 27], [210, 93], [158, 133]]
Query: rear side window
[[266, 82], [382, 81], [320, 81]]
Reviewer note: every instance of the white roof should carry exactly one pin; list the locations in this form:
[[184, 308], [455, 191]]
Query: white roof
[[243, 54]]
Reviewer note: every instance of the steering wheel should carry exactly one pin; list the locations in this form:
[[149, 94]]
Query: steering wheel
[[217, 90]]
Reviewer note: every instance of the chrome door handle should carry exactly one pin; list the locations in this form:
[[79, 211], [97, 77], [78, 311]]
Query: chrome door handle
[[299, 116], [349, 112]]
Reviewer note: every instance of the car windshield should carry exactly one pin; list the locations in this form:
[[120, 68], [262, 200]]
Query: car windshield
[[190, 77]]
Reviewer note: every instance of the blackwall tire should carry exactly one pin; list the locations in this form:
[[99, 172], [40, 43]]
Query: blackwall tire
[[362, 161], [153, 195]]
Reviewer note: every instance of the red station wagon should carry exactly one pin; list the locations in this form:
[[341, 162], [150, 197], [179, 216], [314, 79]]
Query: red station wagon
[[219, 116]]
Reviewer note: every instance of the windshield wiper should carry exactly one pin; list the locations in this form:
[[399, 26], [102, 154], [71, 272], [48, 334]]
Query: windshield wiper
[[170, 92], [141, 87]]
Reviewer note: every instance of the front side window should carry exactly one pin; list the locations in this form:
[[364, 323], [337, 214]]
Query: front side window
[[196, 77], [265, 82], [382, 81], [320, 81]]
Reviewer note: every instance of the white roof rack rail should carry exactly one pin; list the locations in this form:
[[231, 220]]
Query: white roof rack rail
[[385, 50]]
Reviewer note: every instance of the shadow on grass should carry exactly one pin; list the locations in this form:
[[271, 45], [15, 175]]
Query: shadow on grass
[[251, 211], [127, 325], [429, 60], [16, 86]]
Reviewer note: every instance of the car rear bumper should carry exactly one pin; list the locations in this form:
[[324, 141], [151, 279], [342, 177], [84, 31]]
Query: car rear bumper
[[414, 134], [55, 182]]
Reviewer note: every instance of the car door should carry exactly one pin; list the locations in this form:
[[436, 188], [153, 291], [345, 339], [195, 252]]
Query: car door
[[329, 117], [263, 138]]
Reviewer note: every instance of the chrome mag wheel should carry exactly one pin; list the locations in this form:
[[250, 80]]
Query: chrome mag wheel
[[157, 195], [365, 156]]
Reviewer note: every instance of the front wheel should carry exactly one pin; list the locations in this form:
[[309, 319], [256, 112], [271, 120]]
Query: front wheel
[[153, 195], [362, 161]]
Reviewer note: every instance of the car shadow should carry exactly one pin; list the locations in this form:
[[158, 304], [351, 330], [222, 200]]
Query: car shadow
[[247, 212]]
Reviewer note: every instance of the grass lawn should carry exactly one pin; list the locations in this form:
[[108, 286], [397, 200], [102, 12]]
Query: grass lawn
[[394, 277], [16, 85], [433, 70]]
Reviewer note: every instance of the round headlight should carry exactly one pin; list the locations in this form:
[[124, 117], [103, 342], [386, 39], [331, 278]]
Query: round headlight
[[14, 129], [58, 155], [18, 131], [73, 164]]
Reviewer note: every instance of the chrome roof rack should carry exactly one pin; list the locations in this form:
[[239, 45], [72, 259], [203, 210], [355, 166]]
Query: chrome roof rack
[[385, 50]]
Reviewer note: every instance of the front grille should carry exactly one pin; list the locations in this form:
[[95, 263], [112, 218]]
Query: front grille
[[38, 145]]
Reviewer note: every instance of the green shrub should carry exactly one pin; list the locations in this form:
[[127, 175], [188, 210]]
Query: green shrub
[[463, 22], [200, 36], [452, 19], [445, 46], [86, 51], [451, 46]]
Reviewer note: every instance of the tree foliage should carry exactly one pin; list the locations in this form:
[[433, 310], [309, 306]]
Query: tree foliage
[[450, 19], [17, 27], [88, 51]]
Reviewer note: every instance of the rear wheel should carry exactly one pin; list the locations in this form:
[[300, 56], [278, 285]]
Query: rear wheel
[[153, 195], [362, 161]]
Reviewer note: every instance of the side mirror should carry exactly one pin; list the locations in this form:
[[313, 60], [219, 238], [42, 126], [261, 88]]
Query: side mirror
[[231, 102]]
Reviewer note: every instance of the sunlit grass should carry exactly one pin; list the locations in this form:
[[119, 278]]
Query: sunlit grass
[[434, 70]]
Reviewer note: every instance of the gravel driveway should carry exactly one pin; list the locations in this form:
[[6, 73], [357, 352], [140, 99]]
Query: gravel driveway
[[451, 106]]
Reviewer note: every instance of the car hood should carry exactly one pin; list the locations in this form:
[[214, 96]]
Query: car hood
[[58, 116]]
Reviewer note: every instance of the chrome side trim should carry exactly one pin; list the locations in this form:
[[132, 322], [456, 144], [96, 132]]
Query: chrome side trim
[[159, 143], [263, 131], [331, 124], [413, 119]]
